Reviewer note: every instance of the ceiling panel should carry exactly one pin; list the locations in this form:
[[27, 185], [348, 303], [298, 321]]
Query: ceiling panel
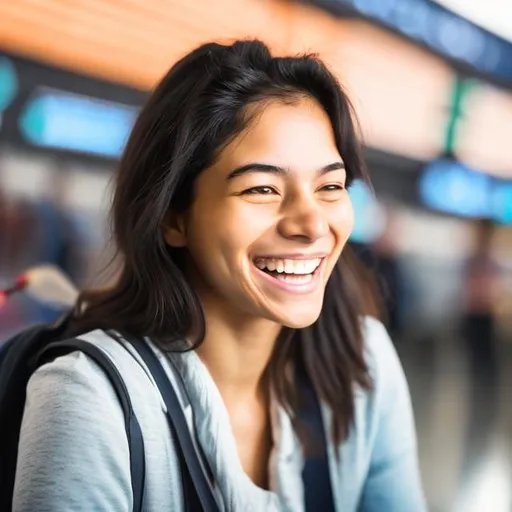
[[493, 15], [400, 91], [126, 40], [484, 137]]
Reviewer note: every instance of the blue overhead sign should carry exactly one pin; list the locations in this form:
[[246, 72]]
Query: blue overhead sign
[[439, 29], [449, 186], [60, 120], [369, 219], [8, 83], [501, 203]]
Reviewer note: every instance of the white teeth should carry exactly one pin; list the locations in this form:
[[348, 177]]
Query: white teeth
[[295, 279], [270, 265], [288, 266]]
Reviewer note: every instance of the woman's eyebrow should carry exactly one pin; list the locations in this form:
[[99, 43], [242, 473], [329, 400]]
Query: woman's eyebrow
[[274, 169]]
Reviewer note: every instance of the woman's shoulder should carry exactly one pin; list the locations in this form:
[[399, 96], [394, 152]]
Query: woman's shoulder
[[69, 372], [72, 422], [74, 391], [385, 422], [389, 390], [381, 357], [80, 390], [74, 373]]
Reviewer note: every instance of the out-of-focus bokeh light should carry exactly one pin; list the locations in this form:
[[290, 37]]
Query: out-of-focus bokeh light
[[60, 120], [451, 187], [369, 216]]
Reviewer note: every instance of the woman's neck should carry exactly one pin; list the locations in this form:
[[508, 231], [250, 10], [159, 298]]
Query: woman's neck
[[237, 352]]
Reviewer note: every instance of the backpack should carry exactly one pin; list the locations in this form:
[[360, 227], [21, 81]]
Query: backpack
[[22, 354]]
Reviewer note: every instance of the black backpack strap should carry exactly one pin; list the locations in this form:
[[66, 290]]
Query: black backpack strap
[[133, 431], [316, 478], [198, 492]]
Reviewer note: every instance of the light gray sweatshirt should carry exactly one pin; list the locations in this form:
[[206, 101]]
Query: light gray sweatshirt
[[73, 450]]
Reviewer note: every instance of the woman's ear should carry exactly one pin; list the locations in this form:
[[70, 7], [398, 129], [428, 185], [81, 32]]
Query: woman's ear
[[174, 231]]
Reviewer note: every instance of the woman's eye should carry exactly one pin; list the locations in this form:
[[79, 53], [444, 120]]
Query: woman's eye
[[333, 187], [260, 190]]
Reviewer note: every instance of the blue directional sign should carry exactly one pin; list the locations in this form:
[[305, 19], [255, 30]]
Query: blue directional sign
[[8, 83], [368, 218], [438, 28], [61, 120], [449, 186], [502, 203]]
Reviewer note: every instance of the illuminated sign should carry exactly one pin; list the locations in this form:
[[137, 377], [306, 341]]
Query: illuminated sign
[[369, 218], [501, 205], [439, 29], [451, 187], [398, 90], [8, 83], [483, 140], [61, 120]]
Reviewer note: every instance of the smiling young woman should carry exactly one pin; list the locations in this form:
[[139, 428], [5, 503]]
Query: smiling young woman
[[231, 216]]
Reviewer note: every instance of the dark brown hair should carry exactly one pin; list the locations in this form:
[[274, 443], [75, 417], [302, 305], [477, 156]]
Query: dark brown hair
[[198, 107]]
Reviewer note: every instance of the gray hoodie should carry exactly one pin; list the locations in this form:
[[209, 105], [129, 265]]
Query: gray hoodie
[[73, 451]]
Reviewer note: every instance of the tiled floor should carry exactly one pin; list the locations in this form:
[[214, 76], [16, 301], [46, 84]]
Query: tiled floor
[[464, 417]]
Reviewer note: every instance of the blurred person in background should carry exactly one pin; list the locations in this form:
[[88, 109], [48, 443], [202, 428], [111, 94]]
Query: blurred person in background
[[33, 231], [17, 234], [391, 279], [231, 216], [481, 286], [481, 291], [381, 259], [17, 231], [57, 240]]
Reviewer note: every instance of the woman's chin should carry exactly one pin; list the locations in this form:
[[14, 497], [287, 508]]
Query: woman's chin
[[297, 318], [299, 324]]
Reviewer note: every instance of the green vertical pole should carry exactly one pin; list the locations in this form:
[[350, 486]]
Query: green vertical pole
[[460, 89]]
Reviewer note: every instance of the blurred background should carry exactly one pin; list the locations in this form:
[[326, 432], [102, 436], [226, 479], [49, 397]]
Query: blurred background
[[432, 85]]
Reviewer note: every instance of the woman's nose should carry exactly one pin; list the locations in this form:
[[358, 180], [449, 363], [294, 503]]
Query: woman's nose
[[303, 220]]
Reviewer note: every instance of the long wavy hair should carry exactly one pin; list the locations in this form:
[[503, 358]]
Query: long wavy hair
[[197, 108]]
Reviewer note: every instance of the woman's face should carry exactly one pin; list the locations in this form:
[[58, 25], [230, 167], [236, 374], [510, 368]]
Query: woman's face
[[270, 217]]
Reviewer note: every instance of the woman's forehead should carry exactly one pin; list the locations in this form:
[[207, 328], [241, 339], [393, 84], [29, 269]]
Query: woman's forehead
[[288, 135]]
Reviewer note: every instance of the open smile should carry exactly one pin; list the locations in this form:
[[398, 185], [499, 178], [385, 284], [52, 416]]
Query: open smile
[[291, 274]]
